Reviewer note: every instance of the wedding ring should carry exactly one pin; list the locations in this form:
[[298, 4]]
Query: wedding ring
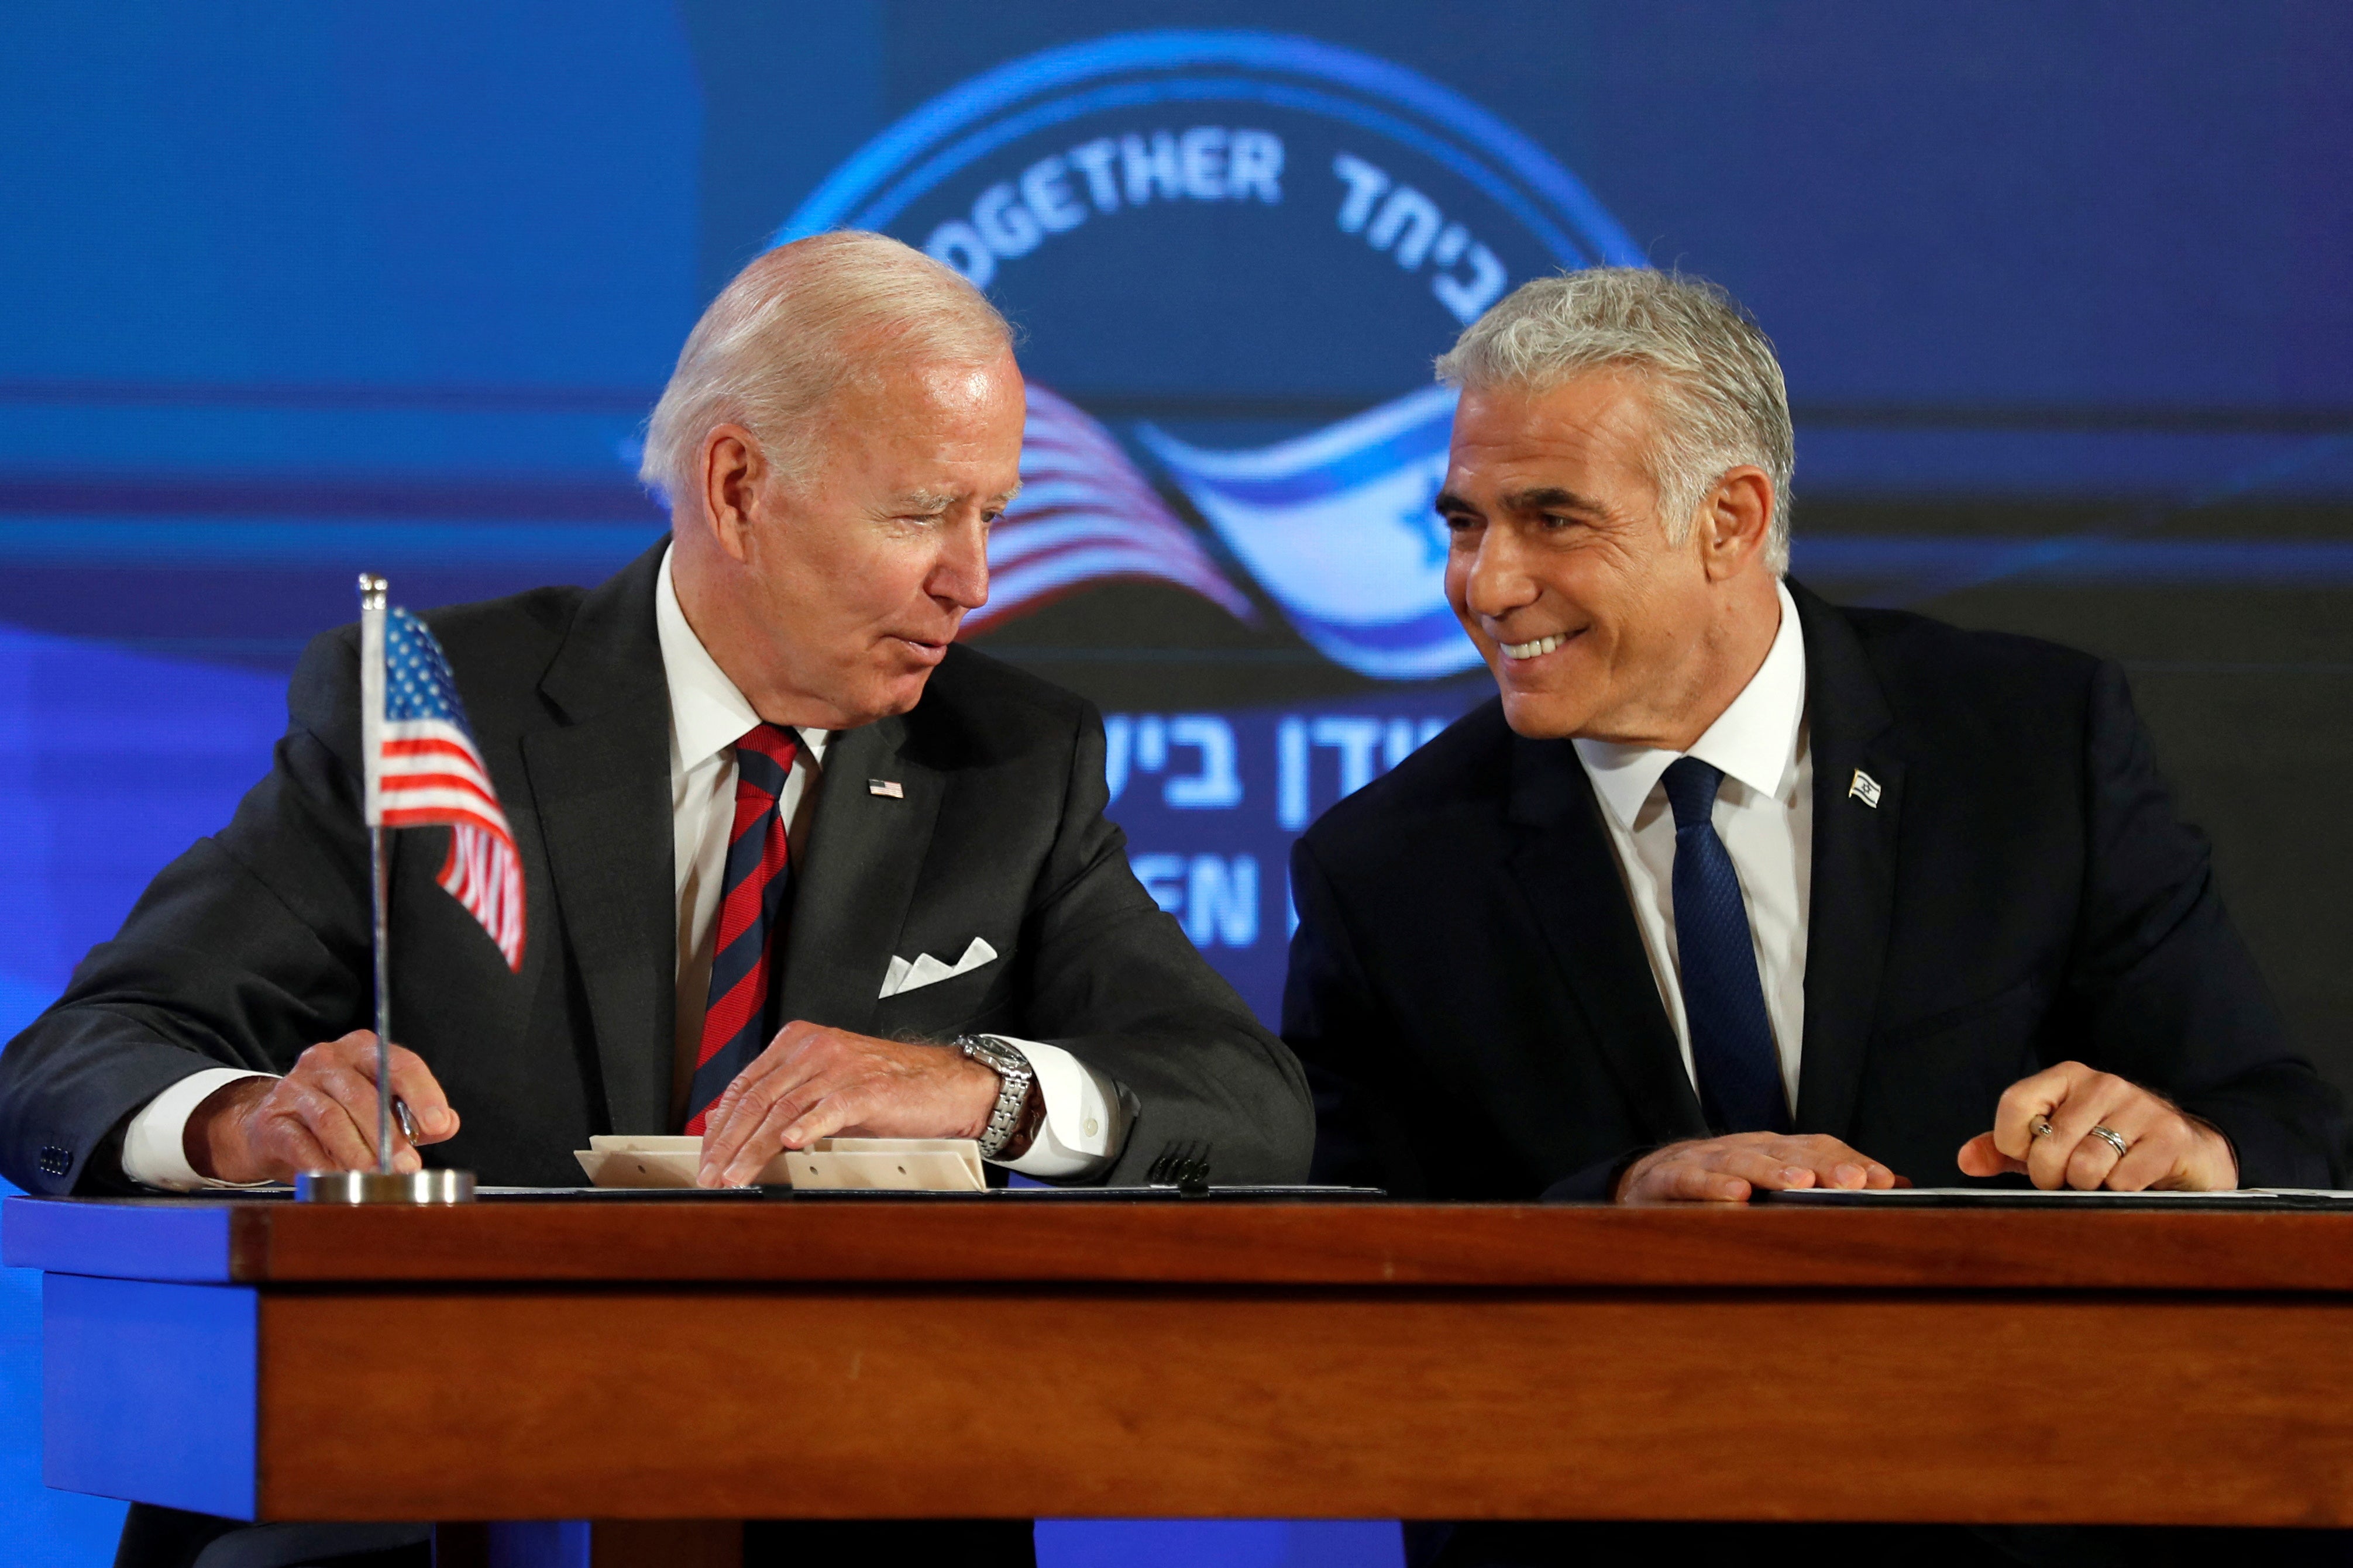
[[2113, 1140], [2040, 1127]]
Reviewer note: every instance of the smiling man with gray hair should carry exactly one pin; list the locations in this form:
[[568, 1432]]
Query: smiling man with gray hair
[[1732, 889], [1697, 776], [797, 864]]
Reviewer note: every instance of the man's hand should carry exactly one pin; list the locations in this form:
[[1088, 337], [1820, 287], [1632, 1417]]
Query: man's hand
[[813, 1082], [1727, 1169], [320, 1117], [2044, 1125]]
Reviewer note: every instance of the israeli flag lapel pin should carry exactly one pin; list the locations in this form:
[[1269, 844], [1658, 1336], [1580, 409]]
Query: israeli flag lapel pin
[[889, 788], [1864, 788]]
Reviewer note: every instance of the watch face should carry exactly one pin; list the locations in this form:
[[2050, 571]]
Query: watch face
[[1003, 1059]]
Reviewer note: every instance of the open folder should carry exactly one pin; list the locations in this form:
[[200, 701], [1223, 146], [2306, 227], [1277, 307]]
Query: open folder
[[891, 1164]]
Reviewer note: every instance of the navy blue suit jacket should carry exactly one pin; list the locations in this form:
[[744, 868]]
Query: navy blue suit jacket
[[1471, 996]]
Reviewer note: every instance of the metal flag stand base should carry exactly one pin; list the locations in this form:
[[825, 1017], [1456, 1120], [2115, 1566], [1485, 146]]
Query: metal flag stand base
[[382, 1185], [377, 1187]]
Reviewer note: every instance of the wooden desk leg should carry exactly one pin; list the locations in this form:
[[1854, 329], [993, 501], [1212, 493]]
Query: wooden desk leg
[[578, 1543], [666, 1543], [461, 1546]]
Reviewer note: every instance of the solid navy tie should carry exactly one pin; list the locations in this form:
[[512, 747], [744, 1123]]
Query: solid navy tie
[[1739, 1071]]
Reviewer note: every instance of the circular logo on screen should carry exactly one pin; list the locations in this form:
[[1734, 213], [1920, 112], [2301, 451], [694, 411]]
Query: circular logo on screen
[[1233, 255]]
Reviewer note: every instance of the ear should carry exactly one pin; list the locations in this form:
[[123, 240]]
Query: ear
[[732, 470], [1735, 521]]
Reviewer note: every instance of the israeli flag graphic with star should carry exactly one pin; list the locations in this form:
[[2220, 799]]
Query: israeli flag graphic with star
[[1336, 527]]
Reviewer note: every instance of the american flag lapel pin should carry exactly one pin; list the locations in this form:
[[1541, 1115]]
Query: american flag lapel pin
[[1864, 788], [889, 789]]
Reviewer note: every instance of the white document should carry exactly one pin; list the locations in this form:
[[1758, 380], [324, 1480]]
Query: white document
[[928, 971], [2063, 1195]]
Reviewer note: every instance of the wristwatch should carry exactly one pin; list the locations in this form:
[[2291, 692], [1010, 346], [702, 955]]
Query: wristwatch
[[1013, 1092]]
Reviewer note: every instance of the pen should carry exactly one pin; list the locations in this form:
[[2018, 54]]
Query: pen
[[407, 1123]]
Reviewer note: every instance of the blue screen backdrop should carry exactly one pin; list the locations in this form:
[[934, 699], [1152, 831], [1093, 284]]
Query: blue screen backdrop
[[295, 291]]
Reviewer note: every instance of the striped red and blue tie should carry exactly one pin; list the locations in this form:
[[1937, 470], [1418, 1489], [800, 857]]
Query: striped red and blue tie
[[749, 943]]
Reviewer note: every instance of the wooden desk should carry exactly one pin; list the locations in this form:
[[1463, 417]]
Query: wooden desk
[[717, 1360]]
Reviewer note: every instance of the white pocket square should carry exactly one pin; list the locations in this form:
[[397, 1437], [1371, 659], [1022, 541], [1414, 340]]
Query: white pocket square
[[926, 970]]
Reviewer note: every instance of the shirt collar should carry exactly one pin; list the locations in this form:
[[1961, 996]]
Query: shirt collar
[[1754, 740], [707, 713]]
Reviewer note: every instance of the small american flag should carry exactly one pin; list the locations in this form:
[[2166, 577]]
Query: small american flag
[[431, 772]]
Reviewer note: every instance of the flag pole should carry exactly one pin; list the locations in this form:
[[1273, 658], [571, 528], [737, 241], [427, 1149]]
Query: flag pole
[[372, 588], [381, 1185]]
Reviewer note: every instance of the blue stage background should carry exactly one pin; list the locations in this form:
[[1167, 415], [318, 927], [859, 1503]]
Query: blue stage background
[[293, 291]]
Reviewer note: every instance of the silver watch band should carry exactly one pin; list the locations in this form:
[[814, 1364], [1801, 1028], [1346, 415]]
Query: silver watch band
[[1016, 1076]]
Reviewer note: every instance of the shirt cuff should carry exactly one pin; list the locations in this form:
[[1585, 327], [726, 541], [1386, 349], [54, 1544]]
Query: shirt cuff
[[1086, 1123], [155, 1151]]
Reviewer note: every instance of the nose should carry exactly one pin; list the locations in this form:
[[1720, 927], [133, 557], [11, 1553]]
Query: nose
[[960, 576], [1496, 581]]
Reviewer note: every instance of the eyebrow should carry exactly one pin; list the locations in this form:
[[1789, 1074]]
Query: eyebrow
[[1542, 498], [923, 501], [1551, 498]]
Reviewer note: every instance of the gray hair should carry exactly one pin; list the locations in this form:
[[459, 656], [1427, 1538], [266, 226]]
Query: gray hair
[[1716, 389], [795, 326]]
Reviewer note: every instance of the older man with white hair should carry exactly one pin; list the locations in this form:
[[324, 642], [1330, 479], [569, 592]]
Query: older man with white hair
[[1731, 889], [932, 932]]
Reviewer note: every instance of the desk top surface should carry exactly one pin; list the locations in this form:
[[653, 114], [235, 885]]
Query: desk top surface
[[1377, 1246]]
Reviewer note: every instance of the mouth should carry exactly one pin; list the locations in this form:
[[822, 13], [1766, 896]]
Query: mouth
[[1522, 652], [923, 651]]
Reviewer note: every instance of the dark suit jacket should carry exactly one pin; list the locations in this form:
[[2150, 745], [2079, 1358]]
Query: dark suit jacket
[[1470, 994], [255, 943]]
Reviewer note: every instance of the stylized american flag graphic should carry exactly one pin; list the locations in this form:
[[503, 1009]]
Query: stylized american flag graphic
[[432, 773], [1085, 515]]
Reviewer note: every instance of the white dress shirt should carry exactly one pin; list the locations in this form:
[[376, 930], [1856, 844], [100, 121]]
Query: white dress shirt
[[1764, 813], [1085, 1122]]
